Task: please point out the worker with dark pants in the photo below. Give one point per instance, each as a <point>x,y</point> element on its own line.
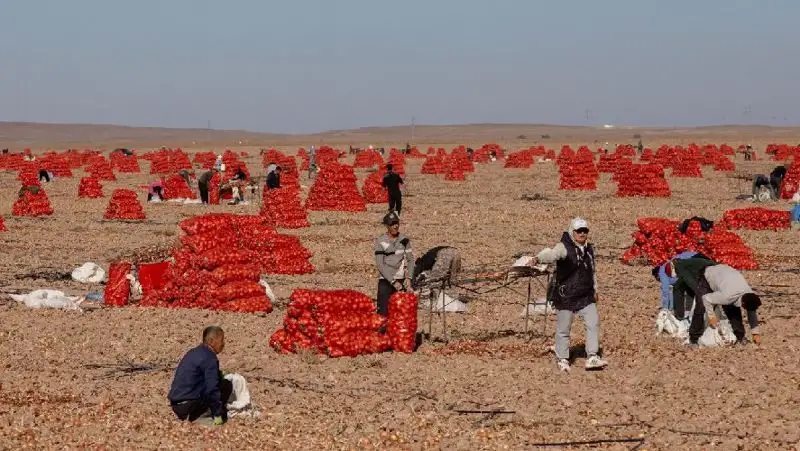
<point>392,181</point>
<point>715,285</point>
<point>689,273</point>
<point>202,184</point>
<point>198,385</point>
<point>395,261</point>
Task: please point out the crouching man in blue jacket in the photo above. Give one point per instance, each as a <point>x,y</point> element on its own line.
<point>198,384</point>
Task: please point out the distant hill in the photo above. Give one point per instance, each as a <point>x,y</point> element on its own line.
<point>37,135</point>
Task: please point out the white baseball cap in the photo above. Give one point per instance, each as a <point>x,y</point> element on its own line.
<point>578,223</point>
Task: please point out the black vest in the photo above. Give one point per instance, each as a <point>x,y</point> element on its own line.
<point>574,277</point>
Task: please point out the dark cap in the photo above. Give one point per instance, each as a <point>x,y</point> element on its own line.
<point>391,218</point>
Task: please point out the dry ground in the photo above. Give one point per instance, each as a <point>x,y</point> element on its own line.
<point>722,398</point>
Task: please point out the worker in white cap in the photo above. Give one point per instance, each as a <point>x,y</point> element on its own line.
<point>573,291</point>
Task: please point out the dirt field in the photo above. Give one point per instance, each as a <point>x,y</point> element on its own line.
<point>743,398</point>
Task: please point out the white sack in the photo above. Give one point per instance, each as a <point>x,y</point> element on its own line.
<point>525,260</point>
<point>267,290</point>
<point>445,303</point>
<point>538,307</point>
<point>239,404</point>
<point>88,273</point>
<point>48,299</point>
<point>726,331</point>
<point>710,338</point>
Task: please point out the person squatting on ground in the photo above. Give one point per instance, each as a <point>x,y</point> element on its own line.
<point>394,259</point>
<point>442,264</point>
<point>392,181</point>
<point>574,292</point>
<point>274,177</point>
<point>155,192</point>
<point>237,182</point>
<point>772,183</point>
<point>203,182</point>
<point>718,285</point>
<point>198,384</point>
<point>45,175</point>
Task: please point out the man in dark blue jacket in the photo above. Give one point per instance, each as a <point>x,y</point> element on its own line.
<point>198,384</point>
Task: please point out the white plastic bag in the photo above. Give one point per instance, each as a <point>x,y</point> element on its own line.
<point>240,396</point>
<point>525,260</point>
<point>445,303</point>
<point>683,329</point>
<point>48,299</point>
<point>538,307</point>
<point>136,287</point>
<point>88,273</point>
<point>710,338</point>
<point>666,323</point>
<point>267,290</point>
<point>726,331</point>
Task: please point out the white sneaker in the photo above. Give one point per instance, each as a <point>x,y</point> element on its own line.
<point>595,362</point>
<point>563,365</point>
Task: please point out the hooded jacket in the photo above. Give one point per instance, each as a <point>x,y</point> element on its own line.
<point>727,285</point>
<point>394,257</point>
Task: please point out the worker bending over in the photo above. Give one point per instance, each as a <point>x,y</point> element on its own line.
<point>442,264</point>
<point>718,285</point>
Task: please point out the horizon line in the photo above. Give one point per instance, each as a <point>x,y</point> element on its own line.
<point>608,127</point>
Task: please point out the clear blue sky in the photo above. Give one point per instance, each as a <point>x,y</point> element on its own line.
<point>314,65</point>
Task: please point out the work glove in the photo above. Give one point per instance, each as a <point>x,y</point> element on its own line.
<point>218,421</point>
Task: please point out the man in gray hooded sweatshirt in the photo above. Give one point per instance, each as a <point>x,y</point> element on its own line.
<point>574,292</point>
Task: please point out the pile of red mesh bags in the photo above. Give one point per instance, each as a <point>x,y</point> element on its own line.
<point>282,207</point>
<point>344,323</point>
<point>434,164</point>
<point>220,261</point>
<point>124,206</point>
<point>641,180</point>
<point>125,164</point>
<point>756,218</point>
<point>32,201</point>
<point>335,189</point>
<point>175,187</point>
<point>374,192</point>
<point>89,187</point>
<point>368,159</point>
<point>658,239</point>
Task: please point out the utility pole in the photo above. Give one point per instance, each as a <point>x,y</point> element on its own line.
<point>587,114</point>
<point>412,129</point>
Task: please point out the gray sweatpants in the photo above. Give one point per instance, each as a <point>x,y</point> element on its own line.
<point>591,321</point>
